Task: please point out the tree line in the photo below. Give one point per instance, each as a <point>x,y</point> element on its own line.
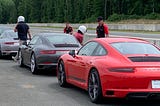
<point>75,11</point>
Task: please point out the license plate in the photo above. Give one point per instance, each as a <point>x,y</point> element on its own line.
<point>155,83</point>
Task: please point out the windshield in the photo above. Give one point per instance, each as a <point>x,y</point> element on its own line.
<point>135,48</point>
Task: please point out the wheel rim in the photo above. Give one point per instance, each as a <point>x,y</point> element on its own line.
<point>61,74</point>
<point>93,86</point>
<point>19,58</point>
<point>32,63</point>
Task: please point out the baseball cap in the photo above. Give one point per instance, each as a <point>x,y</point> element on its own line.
<point>99,18</point>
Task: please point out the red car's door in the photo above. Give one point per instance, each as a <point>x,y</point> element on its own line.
<point>77,65</point>
<point>77,68</point>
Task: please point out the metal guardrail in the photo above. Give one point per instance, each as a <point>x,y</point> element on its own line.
<point>154,41</point>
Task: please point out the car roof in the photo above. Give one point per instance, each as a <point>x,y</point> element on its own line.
<point>1,27</point>
<point>46,34</point>
<point>118,39</point>
<point>9,30</point>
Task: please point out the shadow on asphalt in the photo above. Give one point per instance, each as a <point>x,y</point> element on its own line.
<point>6,57</point>
<point>26,70</point>
<point>79,95</point>
<point>124,102</point>
<point>82,95</point>
<point>41,72</point>
<point>70,90</point>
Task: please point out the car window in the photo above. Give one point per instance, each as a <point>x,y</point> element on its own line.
<point>39,41</point>
<point>2,30</point>
<point>88,49</point>
<point>135,48</point>
<point>62,39</point>
<point>99,51</point>
<point>34,40</point>
<point>9,34</point>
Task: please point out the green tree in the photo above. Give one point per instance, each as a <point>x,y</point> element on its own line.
<point>7,8</point>
<point>76,10</point>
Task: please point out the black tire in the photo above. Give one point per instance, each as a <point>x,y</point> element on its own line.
<point>94,87</point>
<point>0,51</point>
<point>20,59</point>
<point>33,64</point>
<point>61,75</point>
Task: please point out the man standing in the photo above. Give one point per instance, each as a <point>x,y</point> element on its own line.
<point>68,29</point>
<point>102,29</point>
<point>23,29</point>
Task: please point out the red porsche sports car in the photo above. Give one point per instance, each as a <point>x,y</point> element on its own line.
<point>113,67</point>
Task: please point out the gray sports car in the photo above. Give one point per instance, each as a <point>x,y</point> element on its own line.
<point>9,43</point>
<point>44,49</point>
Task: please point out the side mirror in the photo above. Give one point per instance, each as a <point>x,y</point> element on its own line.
<point>72,53</point>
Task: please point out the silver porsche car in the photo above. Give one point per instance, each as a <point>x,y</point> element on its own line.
<point>9,43</point>
<point>44,49</point>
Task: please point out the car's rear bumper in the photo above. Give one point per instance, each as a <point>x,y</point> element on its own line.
<point>47,61</point>
<point>9,52</point>
<point>47,66</point>
<point>135,84</point>
<point>132,93</point>
<point>9,49</point>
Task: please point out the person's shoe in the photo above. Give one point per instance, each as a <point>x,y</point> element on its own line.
<point>14,58</point>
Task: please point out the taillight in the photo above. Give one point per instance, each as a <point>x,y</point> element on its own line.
<point>9,43</point>
<point>48,52</point>
<point>122,69</point>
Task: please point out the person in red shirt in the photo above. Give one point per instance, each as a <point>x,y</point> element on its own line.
<point>102,28</point>
<point>80,33</point>
<point>68,29</point>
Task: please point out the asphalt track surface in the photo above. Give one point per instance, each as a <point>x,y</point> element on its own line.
<point>18,87</point>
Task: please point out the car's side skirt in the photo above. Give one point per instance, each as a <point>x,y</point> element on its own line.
<point>77,79</point>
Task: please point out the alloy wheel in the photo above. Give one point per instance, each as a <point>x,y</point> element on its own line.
<point>61,75</point>
<point>33,65</point>
<point>20,59</point>
<point>94,87</point>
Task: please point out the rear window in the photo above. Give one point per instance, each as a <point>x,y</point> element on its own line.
<point>62,39</point>
<point>135,48</point>
<point>2,30</point>
<point>9,34</point>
